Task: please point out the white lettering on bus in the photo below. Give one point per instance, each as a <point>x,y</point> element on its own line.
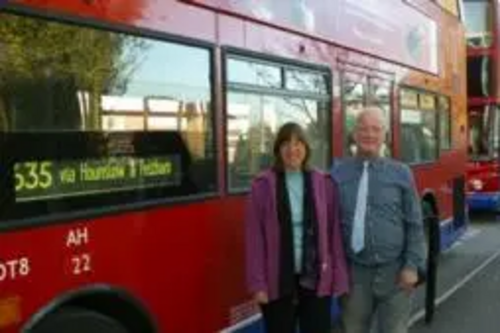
<point>82,263</point>
<point>77,237</point>
<point>14,269</point>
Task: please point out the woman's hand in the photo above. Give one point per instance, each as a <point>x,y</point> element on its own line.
<point>261,298</point>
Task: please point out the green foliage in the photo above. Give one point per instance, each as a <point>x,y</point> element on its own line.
<point>33,50</point>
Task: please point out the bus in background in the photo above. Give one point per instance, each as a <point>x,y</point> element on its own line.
<point>130,132</point>
<point>483,91</point>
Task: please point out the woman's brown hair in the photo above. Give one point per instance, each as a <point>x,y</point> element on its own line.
<point>285,134</point>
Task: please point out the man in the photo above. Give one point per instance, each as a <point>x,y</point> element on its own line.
<point>382,224</point>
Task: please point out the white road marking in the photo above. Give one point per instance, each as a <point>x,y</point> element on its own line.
<point>471,233</point>
<point>468,235</point>
<point>420,314</point>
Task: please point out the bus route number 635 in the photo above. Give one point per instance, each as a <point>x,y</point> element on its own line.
<point>33,175</point>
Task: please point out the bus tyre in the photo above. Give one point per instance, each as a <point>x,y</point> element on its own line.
<point>78,320</point>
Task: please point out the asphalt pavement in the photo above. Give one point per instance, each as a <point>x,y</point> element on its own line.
<point>468,284</point>
<point>475,308</point>
<point>468,299</point>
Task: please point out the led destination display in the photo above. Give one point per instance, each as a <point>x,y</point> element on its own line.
<point>42,180</point>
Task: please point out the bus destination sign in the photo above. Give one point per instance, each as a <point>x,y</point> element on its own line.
<point>46,179</point>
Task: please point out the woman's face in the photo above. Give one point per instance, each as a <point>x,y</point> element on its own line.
<point>293,153</point>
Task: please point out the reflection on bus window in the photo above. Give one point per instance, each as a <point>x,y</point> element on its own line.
<point>484,132</point>
<point>354,100</point>
<point>57,77</point>
<point>478,22</point>
<point>61,79</point>
<point>419,132</point>
<point>495,136</point>
<point>254,117</point>
<point>445,123</point>
<point>357,95</point>
<point>379,94</point>
<point>254,73</point>
<point>306,81</point>
<point>479,76</point>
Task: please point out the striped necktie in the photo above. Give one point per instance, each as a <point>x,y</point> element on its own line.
<point>358,232</point>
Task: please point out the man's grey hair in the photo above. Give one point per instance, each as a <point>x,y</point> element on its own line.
<point>373,111</point>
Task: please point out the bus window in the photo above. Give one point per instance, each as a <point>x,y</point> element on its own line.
<point>354,99</point>
<point>103,115</point>
<point>479,21</point>
<point>379,94</point>
<point>254,73</point>
<point>484,132</point>
<point>495,135</point>
<point>256,109</point>
<point>418,127</point>
<point>445,123</point>
<point>479,76</point>
<point>358,93</point>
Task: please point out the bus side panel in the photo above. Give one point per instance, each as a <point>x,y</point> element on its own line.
<point>168,16</point>
<point>185,264</point>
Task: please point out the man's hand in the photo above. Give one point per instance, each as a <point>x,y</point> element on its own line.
<point>260,298</point>
<point>408,279</point>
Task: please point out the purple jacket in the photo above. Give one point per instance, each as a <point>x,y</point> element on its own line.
<point>263,241</point>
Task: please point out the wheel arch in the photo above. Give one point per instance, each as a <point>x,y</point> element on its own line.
<point>108,300</point>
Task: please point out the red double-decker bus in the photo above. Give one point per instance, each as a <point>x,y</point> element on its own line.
<point>483,51</point>
<point>130,131</point>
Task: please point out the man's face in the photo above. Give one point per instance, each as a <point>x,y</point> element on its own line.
<point>369,135</point>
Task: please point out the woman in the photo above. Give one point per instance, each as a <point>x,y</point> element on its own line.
<point>295,257</point>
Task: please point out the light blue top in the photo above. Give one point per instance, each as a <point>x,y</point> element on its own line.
<point>295,189</point>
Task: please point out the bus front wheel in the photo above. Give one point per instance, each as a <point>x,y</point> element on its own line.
<point>78,320</point>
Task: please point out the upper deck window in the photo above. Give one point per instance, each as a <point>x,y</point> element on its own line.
<point>479,22</point>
